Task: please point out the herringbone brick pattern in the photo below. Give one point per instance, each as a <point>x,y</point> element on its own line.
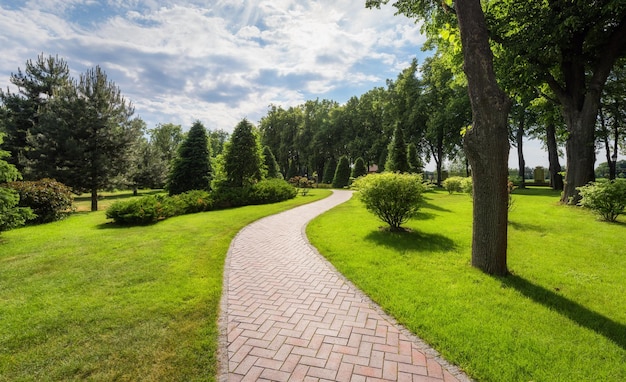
<point>288,316</point>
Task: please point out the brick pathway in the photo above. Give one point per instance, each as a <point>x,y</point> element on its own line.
<point>287,315</point>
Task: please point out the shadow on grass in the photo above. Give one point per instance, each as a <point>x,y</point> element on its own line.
<point>525,226</point>
<point>413,241</point>
<point>124,195</point>
<point>579,314</point>
<point>430,206</point>
<point>537,191</point>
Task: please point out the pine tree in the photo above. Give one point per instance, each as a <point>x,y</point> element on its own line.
<point>415,163</point>
<point>270,164</point>
<point>342,173</point>
<point>359,168</point>
<point>191,170</point>
<point>397,160</point>
<point>329,171</point>
<point>243,157</point>
<point>10,214</point>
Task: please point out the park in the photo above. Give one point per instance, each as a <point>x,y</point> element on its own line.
<point>314,243</point>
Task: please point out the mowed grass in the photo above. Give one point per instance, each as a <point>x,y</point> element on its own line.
<point>560,316</point>
<point>81,299</point>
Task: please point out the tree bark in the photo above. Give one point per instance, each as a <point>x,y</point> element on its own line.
<point>94,199</point>
<point>486,143</point>
<point>556,178</point>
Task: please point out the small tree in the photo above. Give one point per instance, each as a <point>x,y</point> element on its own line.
<point>606,198</point>
<point>397,160</point>
<point>415,162</point>
<point>243,159</point>
<point>191,170</point>
<point>359,168</point>
<point>342,173</point>
<point>394,198</point>
<point>292,170</point>
<point>329,171</point>
<point>270,164</point>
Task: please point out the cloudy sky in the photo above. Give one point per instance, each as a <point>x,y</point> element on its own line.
<point>217,61</point>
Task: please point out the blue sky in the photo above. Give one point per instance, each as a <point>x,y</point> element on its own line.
<point>218,61</point>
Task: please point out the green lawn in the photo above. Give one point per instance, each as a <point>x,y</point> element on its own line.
<point>560,316</point>
<point>82,299</point>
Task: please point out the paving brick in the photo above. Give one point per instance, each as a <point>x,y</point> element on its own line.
<point>289,316</point>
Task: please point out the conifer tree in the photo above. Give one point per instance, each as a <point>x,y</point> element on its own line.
<point>342,173</point>
<point>397,160</point>
<point>243,157</point>
<point>270,164</point>
<point>329,171</point>
<point>359,168</point>
<point>191,169</point>
<point>415,163</point>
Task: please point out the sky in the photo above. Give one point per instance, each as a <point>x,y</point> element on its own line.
<point>219,61</point>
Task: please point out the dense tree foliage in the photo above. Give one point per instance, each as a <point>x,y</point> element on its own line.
<point>11,215</point>
<point>191,169</point>
<point>342,173</point>
<point>397,158</point>
<point>273,171</point>
<point>359,168</point>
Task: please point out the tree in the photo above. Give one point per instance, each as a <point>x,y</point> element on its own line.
<point>166,138</point>
<point>572,47</point>
<point>86,136</point>
<point>191,169</point>
<point>21,110</point>
<point>415,163</point>
<point>612,116</point>
<point>11,215</point>
<point>486,142</point>
<point>329,171</point>
<point>397,160</point>
<point>243,159</point>
<point>270,164</point>
<point>359,168</point>
<point>217,139</point>
<point>342,173</point>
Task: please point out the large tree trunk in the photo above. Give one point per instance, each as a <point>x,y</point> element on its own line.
<point>486,143</point>
<point>556,178</point>
<point>580,146</point>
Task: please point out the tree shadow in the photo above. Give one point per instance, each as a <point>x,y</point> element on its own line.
<point>124,195</point>
<point>577,313</point>
<point>525,226</point>
<point>411,240</point>
<point>430,206</point>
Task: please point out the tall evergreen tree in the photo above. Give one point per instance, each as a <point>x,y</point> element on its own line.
<point>243,160</point>
<point>86,137</point>
<point>21,111</point>
<point>342,173</point>
<point>415,162</point>
<point>270,164</point>
<point>329,171</point>
<point>191,169</point>
<point>397,160</point>
<point>10,214</point>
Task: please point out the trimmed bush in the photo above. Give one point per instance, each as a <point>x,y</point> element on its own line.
<point>191,202</point>
<point>48,199</point>
<point>453,184</point>
<point>271,191</point>
<point>606,198</point>
<point>141,211</point>
<point>468,187</point>
<point>393,197</point>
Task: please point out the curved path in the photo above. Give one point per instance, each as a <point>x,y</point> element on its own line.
<point>288,315</point>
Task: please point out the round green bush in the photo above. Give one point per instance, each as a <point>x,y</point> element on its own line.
<point>606,198</point>
<point>393,197</point>
<point>140,211</point>
<point>48,199</point>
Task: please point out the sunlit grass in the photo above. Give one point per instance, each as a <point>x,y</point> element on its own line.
<point>560,316</point>
<point>83,299</point>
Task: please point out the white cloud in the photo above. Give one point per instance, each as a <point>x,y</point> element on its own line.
<point>183,60</point>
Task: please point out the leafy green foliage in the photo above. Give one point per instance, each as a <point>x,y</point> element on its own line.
<point>453,184</point>
<point>342,173</point>
<point>48,199</point>
<point>192,201</point>
<point>11,215</point>
<point>191,169</point>
<point>606,198</point>
<point>394,198</point>
<point>359,168</point>
<point>243,156</point>
<point>302,184</point>
<point>263,192</point>
<point>140,211</point>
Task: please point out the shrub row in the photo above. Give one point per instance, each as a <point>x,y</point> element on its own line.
<point>151,209</point>
<point>48,199</point>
